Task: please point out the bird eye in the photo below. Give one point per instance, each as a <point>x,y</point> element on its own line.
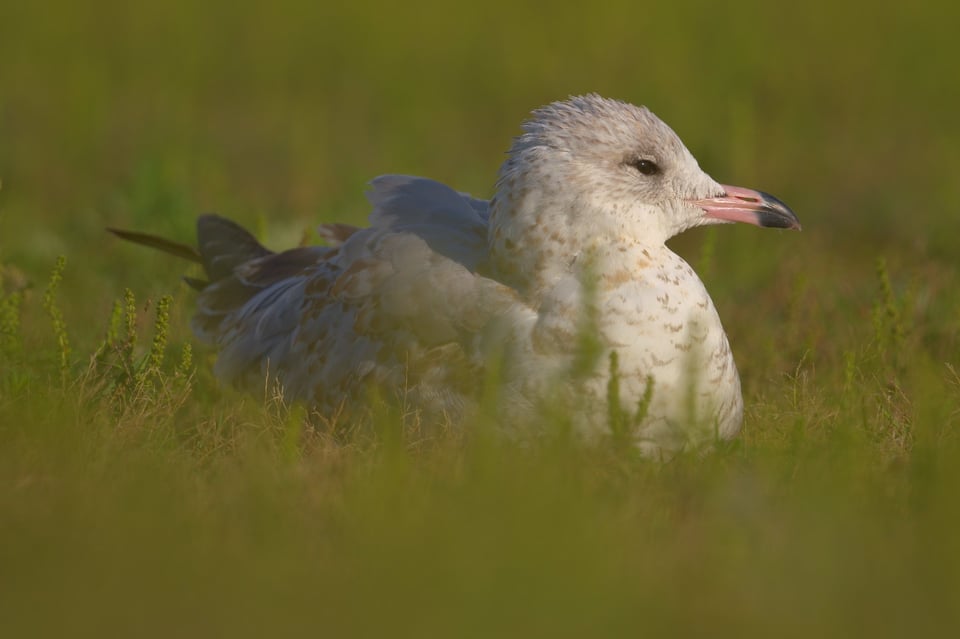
<point>647,167</point>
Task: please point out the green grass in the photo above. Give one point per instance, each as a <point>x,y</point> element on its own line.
<point>140,498</point>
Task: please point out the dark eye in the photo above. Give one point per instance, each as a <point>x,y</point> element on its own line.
<point>647,167</point>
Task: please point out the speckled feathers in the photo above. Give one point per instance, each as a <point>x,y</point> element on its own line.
<point>441,284</point>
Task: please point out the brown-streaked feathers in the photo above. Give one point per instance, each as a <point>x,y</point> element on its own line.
<point>441,286</point>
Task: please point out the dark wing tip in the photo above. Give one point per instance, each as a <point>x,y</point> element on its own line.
<point>195,283</point>
<point>225,245</point>
<point>178,249</point>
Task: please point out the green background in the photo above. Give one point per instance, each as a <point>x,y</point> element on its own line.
<point>834,514</point>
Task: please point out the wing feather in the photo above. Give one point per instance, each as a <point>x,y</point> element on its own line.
<point>398,304</point>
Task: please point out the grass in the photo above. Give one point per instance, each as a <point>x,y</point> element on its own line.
<point>139,497</point>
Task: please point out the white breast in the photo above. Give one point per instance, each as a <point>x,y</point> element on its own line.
<point>656,314</point>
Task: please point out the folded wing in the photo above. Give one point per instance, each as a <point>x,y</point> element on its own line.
<point>399,304</point>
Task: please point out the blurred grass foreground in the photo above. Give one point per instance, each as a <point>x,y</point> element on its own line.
<point>140,498</point>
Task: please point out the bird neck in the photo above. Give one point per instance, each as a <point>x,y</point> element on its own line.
<point>537,237</point>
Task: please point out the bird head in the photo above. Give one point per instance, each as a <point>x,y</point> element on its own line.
<point>609,169</point>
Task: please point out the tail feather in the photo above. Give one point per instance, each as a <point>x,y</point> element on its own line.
<point>184,251</point>
<point>195,283</point>
<point>238,269</point>
<point>223,246</point>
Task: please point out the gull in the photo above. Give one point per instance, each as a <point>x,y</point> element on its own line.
<point>560,291</point>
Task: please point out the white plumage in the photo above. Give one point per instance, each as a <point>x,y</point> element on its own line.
<point>442,285</point>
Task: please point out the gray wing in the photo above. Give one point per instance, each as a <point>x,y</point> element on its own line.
<point>452,224</point>
<point>398,304</point>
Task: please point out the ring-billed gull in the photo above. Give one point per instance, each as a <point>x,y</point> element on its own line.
<point>441,287</point>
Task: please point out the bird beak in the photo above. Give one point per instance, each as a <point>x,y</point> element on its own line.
<point>746,205</point>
